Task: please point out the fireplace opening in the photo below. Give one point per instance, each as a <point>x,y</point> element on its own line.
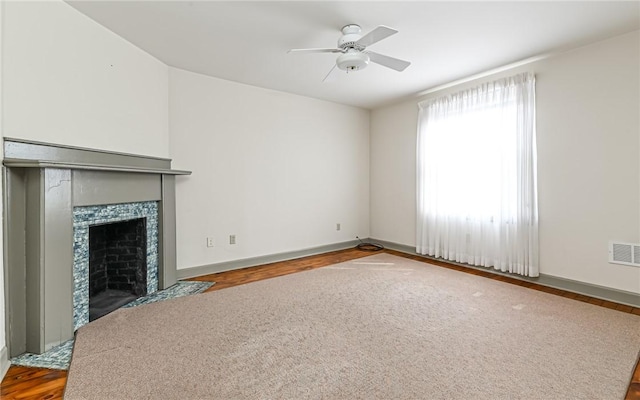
<point>117,265</point>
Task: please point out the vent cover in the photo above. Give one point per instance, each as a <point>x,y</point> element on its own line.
<point>624,253</point>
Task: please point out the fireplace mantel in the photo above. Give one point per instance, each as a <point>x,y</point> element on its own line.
<point>43,183</point>
<point>20,163</point>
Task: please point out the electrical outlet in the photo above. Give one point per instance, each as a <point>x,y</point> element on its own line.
<point>209,242</point>
<point>232,239</point>
<point>338,226</point>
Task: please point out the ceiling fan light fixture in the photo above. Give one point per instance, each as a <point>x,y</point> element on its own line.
<point>353,48</point>
<point>352,61</point>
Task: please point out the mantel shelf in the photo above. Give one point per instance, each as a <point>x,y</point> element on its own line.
<point>24,163</point>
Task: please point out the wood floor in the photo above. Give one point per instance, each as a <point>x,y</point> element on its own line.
<point>40,383</point>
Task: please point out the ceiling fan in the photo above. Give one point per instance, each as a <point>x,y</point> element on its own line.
<point>353,46</point>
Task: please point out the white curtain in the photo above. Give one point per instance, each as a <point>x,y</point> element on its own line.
<point>476,172</point>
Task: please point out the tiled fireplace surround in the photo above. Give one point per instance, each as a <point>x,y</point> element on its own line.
<point>86,217</point>
<point>53,194</point>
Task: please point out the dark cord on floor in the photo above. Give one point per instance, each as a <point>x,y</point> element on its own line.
<point>369,246</point>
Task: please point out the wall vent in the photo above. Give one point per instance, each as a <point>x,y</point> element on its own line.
<point>624,253</point>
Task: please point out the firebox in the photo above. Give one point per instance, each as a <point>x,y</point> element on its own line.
<point>117,265</point>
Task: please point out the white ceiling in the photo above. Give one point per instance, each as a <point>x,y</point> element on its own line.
<point>247,42</point>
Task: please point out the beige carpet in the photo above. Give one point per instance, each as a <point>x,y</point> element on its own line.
<point>381,327</point>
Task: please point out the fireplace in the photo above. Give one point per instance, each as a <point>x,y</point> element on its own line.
<point>121,241</point>
<point>117,265</point>
<point>57,199</point>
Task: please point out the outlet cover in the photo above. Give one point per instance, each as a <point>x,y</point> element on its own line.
<point>232,239</point>
<point>209,242</point>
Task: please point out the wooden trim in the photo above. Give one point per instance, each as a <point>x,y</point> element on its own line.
<point>28,143</point>
<point>4,361</point>
<point>22,163</point>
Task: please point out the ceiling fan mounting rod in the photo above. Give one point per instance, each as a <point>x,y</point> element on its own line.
<point>350,36</point>
<point>350,28</point>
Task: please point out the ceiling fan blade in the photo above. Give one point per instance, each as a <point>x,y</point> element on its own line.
<point>376,35</point>
<point>331,76</point>
<point>314,51</point>
<point>389,62</point>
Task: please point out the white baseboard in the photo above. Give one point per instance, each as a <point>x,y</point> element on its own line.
<point>4,362</point>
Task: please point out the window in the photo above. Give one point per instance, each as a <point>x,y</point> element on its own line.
<point>477,196</point>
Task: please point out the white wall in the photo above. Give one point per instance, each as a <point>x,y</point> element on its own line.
<point>71,81</point>
<point>65,79</point>
<point>393,173</point>
<point>275,169</point>
<point>588,103</point>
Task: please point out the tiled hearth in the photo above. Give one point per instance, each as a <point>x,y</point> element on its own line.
<point>59,357</point>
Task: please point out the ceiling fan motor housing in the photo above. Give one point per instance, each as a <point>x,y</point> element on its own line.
<point>353,59</point>
<point>350,35</point>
